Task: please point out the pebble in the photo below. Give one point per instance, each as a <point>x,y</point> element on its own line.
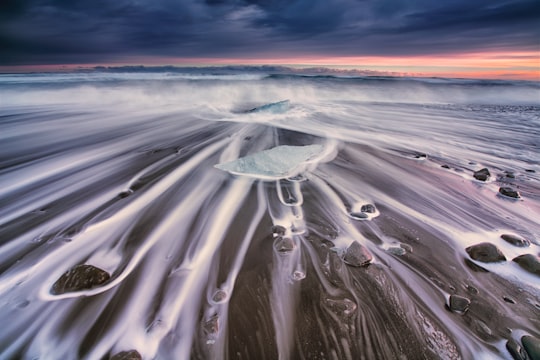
<point>368,208</point>
<point>445,166</point>
<point>211,326</point>
<point>80,277</point>
<point>219,296</point>
<point>532,346</point>
<point>394,250</point>
<point>284,244</point>
<point>515,240</point>
<point>357,255</point>
<point>485,252</point>
<point>459,304</point>
<point>359,215</point>
<point>529,262</point>
<point>508,191</point>
<point>127,355</point>
<point>482,174</point>
<point>516,350</point>
<point>509,300</point>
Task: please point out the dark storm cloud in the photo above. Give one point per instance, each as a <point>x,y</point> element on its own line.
<point>84,31</point>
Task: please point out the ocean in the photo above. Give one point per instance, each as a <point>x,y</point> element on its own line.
<point>207,214</point>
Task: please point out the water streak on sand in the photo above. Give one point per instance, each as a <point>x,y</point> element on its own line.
<point>352,253</point>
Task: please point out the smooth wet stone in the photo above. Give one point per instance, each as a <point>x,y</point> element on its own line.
<point>459,304</point>
<point>395,250</point>
<point>529,262</point>
<point>211,326</point>
<point>445,166</point>
<point>80,277</point>
<point>485,252</point>
<point>357,255</point>
<point>284,244</point>
<point>515,240</point>
<point>127,355</point>
<point>532,346</point>
<point>530,170</point>
<point>508,191</point>
<point>509,300</point>
<point>516,350</point>
<point>219,296</point>
<point>482,174</point>
<point>368,208</point>
<point>125,194</point>
<point>359,215</point>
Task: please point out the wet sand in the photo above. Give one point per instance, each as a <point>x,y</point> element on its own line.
<point>370,253</point>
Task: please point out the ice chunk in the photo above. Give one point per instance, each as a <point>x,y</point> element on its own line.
<point>276,163</point>
<point>276,108</point>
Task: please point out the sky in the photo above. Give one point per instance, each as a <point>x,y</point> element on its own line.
<point>460,38</point>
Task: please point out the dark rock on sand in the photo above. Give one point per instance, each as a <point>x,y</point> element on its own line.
<point>81,277</point>
<point>127,355</point>
<point>482,174</point>
<point>510,174</point>
<point>516,350</point>
<point>458,304</point>
<point>475,267</point>
<point>532,346</point>
<point>485,252</point>
<point>396,250</point>
<point>125,194</point>
<point>509,300</point>
<point>368,208</point>
<point>529,262</point>
<point>357,255</point>
<point>515,240</point>
<point>445,166</point>
<point>284,244</point>
<point>530,170</point>
<point>211,326</point>
<point>359,215</point>
<point>508,191</point>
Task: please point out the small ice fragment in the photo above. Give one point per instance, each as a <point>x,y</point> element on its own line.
<point>275,108</point>
<point>276,163</point>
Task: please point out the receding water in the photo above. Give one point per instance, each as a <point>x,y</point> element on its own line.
<point>354,249</point>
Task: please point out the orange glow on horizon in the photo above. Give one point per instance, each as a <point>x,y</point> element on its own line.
<point>487,65</point>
